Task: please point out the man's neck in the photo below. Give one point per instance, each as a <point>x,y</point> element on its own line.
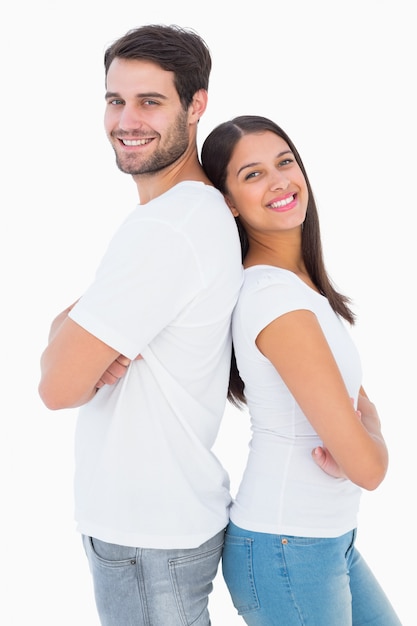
<point>151,186</point>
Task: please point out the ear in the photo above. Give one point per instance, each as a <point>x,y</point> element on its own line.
<point>231,206</point>
<point>198,105</point>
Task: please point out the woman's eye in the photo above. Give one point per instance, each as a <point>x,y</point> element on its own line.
<point>251,175</point>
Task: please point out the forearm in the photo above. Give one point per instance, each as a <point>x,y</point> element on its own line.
<point>372,423</point>
<point>72,364</point>
<point>374,449</point>
<point>55,389</point>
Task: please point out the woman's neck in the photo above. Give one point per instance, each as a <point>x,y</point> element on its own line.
<point>281,250</point>
<point>286,255</point>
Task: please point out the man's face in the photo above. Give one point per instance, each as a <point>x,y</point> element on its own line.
<point>144,120</point>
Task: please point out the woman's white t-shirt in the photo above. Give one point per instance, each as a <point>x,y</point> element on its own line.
<point>283,491</point>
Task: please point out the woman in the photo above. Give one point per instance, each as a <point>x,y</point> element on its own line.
<point>290,555</point>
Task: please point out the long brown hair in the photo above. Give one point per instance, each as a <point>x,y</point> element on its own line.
<point>216,153</point>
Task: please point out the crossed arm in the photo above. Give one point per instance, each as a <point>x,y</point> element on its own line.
<point>368,414</point>
<point>75,364</point>
<point>352,448</point>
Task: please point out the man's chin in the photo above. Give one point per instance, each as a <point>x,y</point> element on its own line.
<point>128,168</point>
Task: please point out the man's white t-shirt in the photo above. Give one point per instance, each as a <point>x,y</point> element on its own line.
<point>283,491</point>
<point>145,474</point>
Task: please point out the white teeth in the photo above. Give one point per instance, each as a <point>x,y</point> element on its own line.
<point>134,142</point>
<point>281,203</point>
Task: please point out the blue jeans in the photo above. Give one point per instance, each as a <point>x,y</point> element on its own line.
<point>147,587</point>
<point>279,580</point>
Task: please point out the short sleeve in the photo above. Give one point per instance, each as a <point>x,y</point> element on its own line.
<point>148,274</point>
<point>269,296</point>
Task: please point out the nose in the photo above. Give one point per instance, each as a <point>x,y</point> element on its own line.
<point>279,180</point>
<point>130,118</point>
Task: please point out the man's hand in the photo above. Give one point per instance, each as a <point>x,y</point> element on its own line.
<point>113,373</point>
<point>116,371</point>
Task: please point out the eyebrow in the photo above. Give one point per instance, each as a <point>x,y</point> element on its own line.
<point>149,94</point>
<point>279,155</point>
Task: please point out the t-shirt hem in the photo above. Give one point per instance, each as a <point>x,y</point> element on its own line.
<point>294,531</point>
<point>157,542</point>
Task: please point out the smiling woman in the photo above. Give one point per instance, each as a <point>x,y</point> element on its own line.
<point>298,371</point>
<point>267,190</point>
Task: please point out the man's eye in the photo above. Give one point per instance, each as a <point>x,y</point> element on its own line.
<point>115,101</point>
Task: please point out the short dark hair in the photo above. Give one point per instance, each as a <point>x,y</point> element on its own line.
<point>175,49</point>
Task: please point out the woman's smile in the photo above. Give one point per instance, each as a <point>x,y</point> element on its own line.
<point>284,204</point>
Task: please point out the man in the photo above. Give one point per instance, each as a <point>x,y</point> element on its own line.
<point>151,500</point>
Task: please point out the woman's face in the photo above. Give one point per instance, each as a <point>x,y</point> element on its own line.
<point>265,185</point>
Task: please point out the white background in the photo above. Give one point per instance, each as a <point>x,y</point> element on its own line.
<point>340,79</point>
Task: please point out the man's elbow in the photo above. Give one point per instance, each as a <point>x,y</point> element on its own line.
<point>56,398</point>
<point>49,397</point>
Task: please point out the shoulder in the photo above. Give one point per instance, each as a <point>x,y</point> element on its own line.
<point>195,191</point>
<point>182,202</point>
<point>269,292</point>
<point>264,277</point>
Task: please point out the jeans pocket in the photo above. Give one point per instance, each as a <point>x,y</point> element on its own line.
<point>192,581</point>
<point>109,553</point>
<point>110,565</point>
<point>237,565</point>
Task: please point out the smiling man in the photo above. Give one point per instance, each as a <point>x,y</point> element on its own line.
<point>145,352</point>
